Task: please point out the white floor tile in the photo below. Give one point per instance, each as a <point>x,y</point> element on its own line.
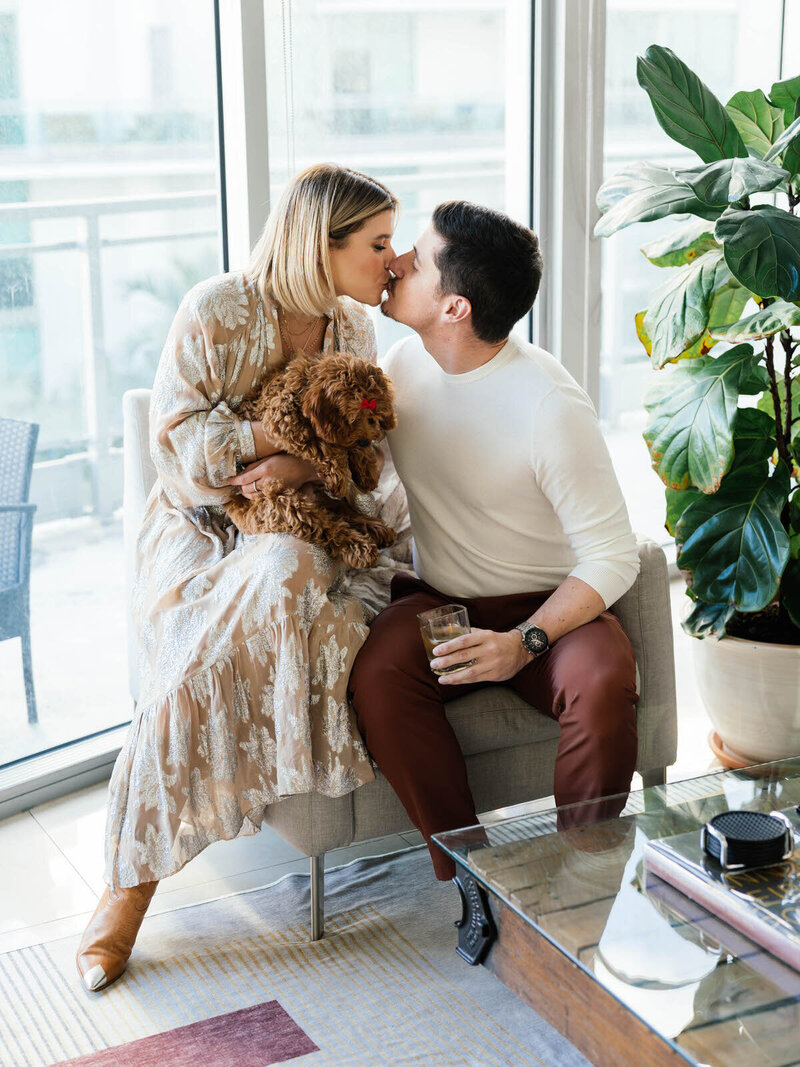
<point>39,883</point>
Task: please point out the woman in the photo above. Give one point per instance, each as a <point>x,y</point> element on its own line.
<point>245,643</point>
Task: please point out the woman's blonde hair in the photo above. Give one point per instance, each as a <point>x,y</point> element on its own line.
<point>323,204</point>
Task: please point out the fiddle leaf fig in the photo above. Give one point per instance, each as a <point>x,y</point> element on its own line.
<point>762,249</point>
<point>734,542</point>
<point>789,134</point>
<point>686,108</point>
<point>785,95</point>
<point>680,308</point>
<point>790,590</point>
<point>643,192</point>
<point>683,245</point>
<point>769,320</point>
<point>707,620</point>
<point>758,122</point>
<point>729,181</point>
<point>678,500</point>
<point>690,436</point>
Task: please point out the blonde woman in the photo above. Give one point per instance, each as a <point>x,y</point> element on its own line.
<point>245,643</point>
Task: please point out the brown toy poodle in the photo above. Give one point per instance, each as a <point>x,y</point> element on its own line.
<point>330,410</point>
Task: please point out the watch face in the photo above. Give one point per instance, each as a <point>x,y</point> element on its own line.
<point>535,640</point>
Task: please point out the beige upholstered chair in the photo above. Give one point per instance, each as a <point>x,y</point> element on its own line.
<point>510,752</point>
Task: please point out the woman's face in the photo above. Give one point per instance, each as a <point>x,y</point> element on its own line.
<point>360,267</point>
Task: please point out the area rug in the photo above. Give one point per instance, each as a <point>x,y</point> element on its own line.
<point>237,982</point>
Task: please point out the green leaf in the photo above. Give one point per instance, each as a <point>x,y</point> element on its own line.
<point>707,620</point>
<point>684,245</point>
<point>733,541</point>
<point>686,108</point>
<point>753,437</point>
<point>789,134</point>
<point>679,309</point>
<point>758,122</point>
<point>730,180</point>
<point>678,501</point>
<point>791,154</point>
<point>785,95</point>
<point>762,249</point>
<point>790,590</point>
<point>690,435</point>
<point>765,402</point>
<point>643,192</point>
<point>767,321</point>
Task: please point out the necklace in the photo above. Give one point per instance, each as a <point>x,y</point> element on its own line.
<point>288,341</point>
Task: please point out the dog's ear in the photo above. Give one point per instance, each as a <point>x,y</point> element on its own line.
<point>318,407</point>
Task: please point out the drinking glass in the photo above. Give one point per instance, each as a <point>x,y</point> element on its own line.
<point>443,624</point>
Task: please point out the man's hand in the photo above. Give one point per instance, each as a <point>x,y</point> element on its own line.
<point>292,472</point>
<point>498,657</point>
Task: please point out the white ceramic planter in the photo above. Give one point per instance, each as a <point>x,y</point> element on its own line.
<point>751,691</point>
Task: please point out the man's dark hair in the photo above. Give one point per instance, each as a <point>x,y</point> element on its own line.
<point>492,261</point>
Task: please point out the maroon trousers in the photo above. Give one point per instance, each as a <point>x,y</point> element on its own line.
<point>587,681</point>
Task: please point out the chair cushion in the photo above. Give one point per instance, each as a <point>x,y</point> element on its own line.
<point>495,718</point>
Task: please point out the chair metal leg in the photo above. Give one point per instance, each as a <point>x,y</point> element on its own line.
<point>317,897</point>
<point>27,670</point>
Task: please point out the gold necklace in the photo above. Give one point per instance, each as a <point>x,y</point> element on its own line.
<point>286,336</point>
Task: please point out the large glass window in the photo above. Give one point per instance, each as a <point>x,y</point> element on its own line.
<point>108,214</point>
<point>433,100</point>
<point>731,45</point>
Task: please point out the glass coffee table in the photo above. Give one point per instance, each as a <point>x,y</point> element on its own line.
<point>559,905</point>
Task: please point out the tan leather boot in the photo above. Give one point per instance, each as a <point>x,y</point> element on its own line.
<point>108,940</point>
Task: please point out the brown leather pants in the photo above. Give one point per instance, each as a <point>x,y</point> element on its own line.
<point>587,681</point>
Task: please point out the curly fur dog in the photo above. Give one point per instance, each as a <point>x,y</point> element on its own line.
<point>329,410</point>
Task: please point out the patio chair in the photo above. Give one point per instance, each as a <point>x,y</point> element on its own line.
<point>17,446</point>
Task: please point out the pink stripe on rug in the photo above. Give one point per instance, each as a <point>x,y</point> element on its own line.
<point>252,1037</point>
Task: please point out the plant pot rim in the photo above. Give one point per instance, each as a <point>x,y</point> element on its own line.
<point>750,641</point>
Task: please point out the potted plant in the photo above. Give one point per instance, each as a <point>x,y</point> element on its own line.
<point>724,419</point>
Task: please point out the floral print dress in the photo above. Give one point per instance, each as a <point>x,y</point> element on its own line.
<point>245,642</point>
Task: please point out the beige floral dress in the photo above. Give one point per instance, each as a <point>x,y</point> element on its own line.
<point>245,642</point>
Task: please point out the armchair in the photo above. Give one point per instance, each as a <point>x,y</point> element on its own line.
<point>510,753</point>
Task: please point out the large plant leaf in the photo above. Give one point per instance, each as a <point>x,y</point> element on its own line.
<point>683,245</point>
<point>791,154</point>
<point>686,108</point>
<point>729,181</point>
<point>762,249</point>
<point>785,95</point>
<point>766,321</point>
<point>733,541</point>
<point>790,590</point>
<point>707,620</point>
<point>789,134</point>
<point>643,192</point>
<point>690,435</point>
<point>679,309</point>
<point>678,500</point>
<point>753,437</point>
<point>758,122</point>
<point>766,405</point>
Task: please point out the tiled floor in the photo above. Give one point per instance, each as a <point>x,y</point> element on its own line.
<point>53,855</point>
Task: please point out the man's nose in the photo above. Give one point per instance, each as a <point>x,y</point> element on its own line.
<point>396,266</point>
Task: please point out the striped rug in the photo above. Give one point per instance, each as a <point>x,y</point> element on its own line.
<point>239,977</point>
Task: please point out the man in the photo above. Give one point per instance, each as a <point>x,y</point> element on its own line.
<point>516,513</point>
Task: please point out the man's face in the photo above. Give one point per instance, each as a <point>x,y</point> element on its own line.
<point>413,297</point>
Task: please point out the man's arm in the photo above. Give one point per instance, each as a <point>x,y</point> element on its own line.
<point>499,656</point>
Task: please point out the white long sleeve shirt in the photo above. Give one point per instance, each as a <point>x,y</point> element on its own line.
<point>510,485</point>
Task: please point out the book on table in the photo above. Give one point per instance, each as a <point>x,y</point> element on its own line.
<point>762,902</point>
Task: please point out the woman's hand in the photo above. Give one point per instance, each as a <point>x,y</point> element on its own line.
<point>497,656</point>
<point>292,472</point>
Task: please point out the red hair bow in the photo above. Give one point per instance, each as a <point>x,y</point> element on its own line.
<point>372,404</point>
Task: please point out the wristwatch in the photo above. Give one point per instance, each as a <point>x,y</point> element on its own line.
<point>534,639</point>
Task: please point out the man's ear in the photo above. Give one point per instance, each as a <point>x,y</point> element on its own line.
<point>457,309</point>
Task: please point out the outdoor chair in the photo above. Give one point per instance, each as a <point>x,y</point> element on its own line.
<point>17,447</point>
<point>509,750</point>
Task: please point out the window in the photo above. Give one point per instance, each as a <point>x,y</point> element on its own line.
<point>108,214</point>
